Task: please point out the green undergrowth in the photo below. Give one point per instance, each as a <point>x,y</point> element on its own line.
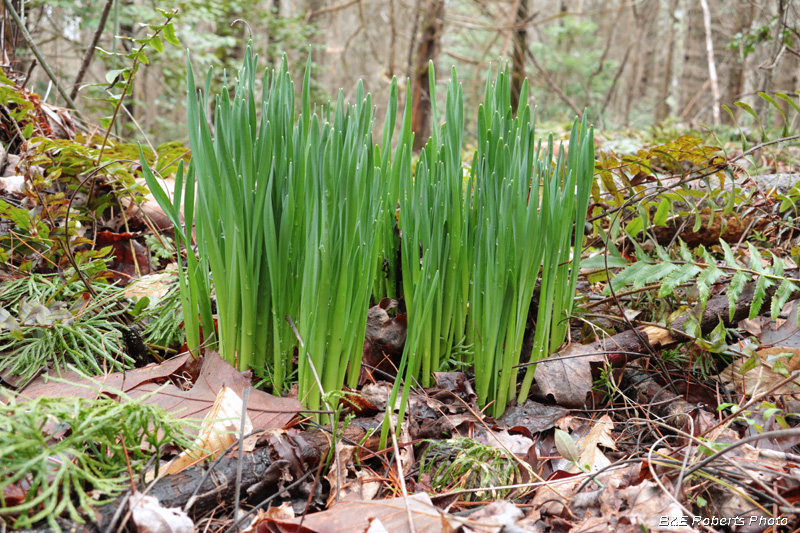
<point>295,211</point>
<point>45,322</point>
<point>68,455</point>
<point>462,463</point>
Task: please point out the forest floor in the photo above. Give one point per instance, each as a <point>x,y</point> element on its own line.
<point>674,407</point>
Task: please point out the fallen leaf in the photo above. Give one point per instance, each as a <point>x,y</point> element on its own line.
<point>503,440</point>
<point>384,341</point>
<point>533,415</point>
<point>588,446</point>
<point>346,487</point>
<point>131,259</point>
<point>748,378</point>
<point>220,429</point>
<point>567,376</point>
<point>359,516</point>
<point>494,517</point>
<point>154,286</point>
<point>784,332</point>
<point>265,410</point>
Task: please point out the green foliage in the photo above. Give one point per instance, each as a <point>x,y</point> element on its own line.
<point>462,463</point>
<point>137,57</point>
<point>623,176</point>
<point>583,71</point>
<point>521,226</point>
<point>61,171</point>
<point>702,269</point>
<point>301,247</point>
<point>162,320</point>
<point>435,239</point>
<point>45,322</point>
<point>86,463</point>
<point>18,106</point>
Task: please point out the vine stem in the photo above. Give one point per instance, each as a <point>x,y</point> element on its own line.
<point>121,99</point>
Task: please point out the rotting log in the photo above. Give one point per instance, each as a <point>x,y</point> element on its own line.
<point>280,458</point>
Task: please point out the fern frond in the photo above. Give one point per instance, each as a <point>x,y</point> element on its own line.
<point>782,295</point>
<point>735,290</point>
<point>710,275</point>
<point>706,271</point>
<point>654,272</point>
<point>677,277</point>
<point>626,275</point>
<point>759,293</point>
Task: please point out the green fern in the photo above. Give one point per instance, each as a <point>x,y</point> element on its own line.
<point>702,269</point>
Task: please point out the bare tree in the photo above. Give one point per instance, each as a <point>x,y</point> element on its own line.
<point>712,65</point>
<point>429,45</point>
<point>520,47</point>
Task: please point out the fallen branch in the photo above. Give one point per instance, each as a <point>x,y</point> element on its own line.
<point>279,458</point>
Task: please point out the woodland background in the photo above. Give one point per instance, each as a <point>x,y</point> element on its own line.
<point>631,64</point>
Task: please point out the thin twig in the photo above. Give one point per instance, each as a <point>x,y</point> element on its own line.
<point>245,397</point>
<point>553,85</point>
<point>403,482</point>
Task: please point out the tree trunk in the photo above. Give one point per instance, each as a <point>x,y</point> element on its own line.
<point>744,13</point>
<point>712,64</point>
<point>662,108</point>
<point>693,81</point>
<point>274,18</point>
<point>518,55</point>
<point>767,69</point>
<point>427,51</point>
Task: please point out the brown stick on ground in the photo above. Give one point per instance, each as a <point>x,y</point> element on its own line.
<point>274,460</point>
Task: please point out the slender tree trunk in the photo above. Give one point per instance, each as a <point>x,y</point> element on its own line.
<point>768,68</point>
<point>274,17</point>
<point>518,55</point>
<point>693,74</point>
<point>427,51</point>
<point>733,89</point>
<point>126,29</point>
<point>87,58</point>
<point>712,65</point>
<point>13,43</point>
<point>662,108</point>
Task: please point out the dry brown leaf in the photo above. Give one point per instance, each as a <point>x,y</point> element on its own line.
<point>762,377</point>
<point>359,516</point>
<point>155,285</point>
<point>345,487</point>
<point>219,430</point>
<point>567,376</point>
<point>265,411</point>
<point>588,446</point>
<point>783,332</point>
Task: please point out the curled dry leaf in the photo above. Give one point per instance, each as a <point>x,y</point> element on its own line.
<point>393,514</point>
<point>384,341</point>
<point>220,429</point>
<point>346,486</point>
<point>567,376</point>
<point>600,435</point>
